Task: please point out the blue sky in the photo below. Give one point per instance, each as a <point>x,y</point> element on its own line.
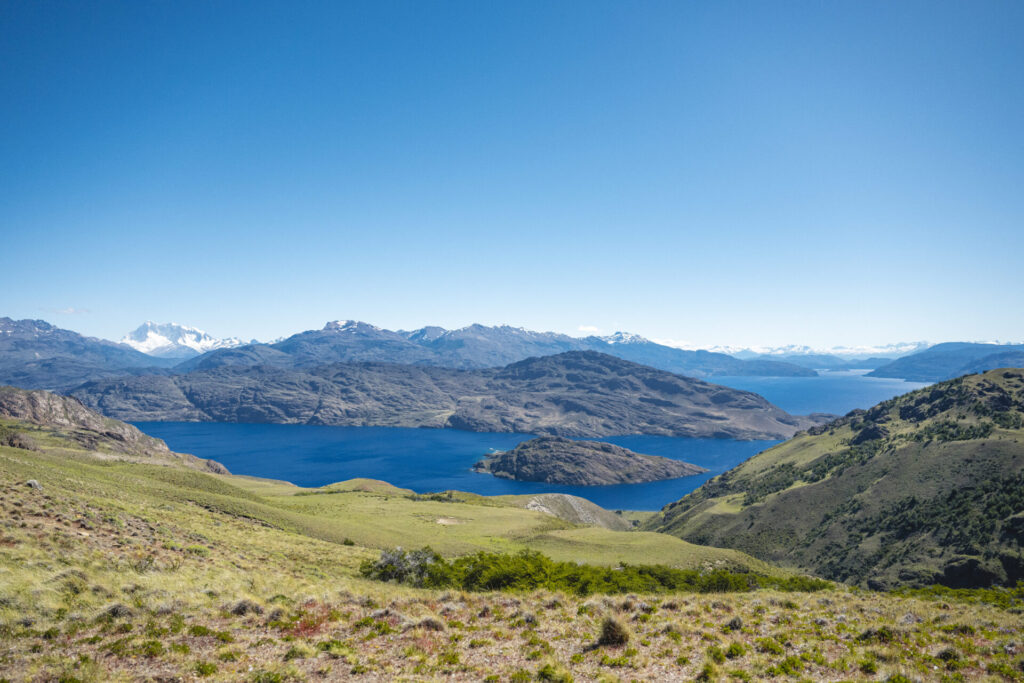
<point>721,173</point>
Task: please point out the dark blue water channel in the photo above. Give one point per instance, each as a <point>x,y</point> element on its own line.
<point>427,460</point>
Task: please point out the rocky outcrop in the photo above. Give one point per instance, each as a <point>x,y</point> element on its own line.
<point>555,460</point>
<point>69,418</point>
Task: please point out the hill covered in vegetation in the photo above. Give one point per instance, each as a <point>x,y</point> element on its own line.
<point>925,488</point>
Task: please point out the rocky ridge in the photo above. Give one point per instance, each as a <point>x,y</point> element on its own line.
<point>574,394</point>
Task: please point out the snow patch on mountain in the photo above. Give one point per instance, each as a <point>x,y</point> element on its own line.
<point>846,352</point>
<point>171,340</point>
<point>625,338</point>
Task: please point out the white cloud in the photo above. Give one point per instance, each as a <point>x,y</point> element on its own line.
<point>589,329</point>
<point>678,344</point>
<point>71,310</point>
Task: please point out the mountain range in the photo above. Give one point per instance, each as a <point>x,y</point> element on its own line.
<point>475,347</point>
<point>575,393</point>
<point>36,355</point>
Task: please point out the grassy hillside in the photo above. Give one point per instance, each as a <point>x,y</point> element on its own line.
<point>118,568</point>
<point>925,488</point>
<point>126,571</point>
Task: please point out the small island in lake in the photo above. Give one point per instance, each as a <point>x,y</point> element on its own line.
<point>556,460</point>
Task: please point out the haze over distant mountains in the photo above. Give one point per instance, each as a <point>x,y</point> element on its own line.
<point>37,355</point>
<point>952,359</point>
<point>845,352</point>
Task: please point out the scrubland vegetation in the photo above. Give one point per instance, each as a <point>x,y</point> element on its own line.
<point>115,571</point>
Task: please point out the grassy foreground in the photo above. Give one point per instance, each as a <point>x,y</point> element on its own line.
<point>129,571</point>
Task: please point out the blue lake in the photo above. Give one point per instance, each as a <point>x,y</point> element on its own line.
<point>830,392</point>
<point>426,460</point>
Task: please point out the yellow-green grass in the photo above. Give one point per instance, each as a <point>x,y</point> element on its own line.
<point>637,516</point>
<point>174,551</point>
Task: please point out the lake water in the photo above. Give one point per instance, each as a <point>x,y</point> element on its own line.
<point>427,460</point>
<point>831,392</point>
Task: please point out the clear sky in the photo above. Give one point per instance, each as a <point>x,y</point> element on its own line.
<point>716,172</point>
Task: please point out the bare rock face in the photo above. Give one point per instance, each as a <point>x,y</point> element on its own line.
<point>67,416</point>
<point>556,460</point>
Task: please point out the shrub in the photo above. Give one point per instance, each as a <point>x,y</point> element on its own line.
<point>868,666</point>
<point>413,567</point>
<point>299,651</point>
<point>769,645</point>
<point>205,668</point>
<point>790,666</point>
<point>613,632</point>
<point>554,674</point>
<point>151,648</point>
<point>883,634</point>
<point>716,654</point>
<point>529,570</point>
<point>735,650</point>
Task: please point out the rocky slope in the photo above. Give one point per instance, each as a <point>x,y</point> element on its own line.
<point>67,418</point>
<point>577,394</point>
<point>557,460</point>
<point>925,488</point>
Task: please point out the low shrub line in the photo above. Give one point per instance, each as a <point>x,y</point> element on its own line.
<point>529,570</point>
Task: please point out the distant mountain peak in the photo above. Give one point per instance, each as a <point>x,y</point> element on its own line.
<point>350,326</point>
<point>172,340</point>
<point>792,350</point>
<point>625,338</point>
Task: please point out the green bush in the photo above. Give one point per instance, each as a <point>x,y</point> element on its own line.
<point>205,668</point>
<point>528,571</point>
<point>613,632</point>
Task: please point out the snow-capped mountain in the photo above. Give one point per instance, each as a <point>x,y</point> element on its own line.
<point>171,340</point>
<point>625,338</point>
<point>794,350</point>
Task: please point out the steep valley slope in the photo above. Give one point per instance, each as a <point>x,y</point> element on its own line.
<point>925,488</point>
